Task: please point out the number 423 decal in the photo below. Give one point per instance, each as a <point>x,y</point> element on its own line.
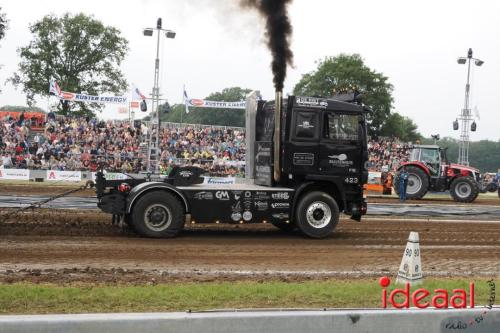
<point>351,180</point>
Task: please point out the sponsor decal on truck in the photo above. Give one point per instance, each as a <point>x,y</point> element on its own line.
<point>280,205</point>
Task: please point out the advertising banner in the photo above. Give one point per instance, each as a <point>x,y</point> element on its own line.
<point>68,176</point>
<point>55,90</point>
<point>74,97</point>
<point>111,176</point>
<point>219,180</point>
<point>374,178</point>
<point>203,103</point>
<point>14,174</point>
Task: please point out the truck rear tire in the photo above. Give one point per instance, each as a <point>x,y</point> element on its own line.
<point>158,214</point>
<point>317,214</point>
<point>464,189</point>
<point>418,183</point>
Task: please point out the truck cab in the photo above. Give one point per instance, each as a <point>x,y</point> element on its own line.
<point>309,155</point>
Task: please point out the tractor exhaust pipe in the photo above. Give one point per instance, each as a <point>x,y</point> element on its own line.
<point>277,131</point>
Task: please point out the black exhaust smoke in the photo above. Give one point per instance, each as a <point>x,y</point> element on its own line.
<point>278,33</point>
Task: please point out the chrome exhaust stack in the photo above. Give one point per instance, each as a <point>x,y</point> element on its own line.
<point>277,138</point>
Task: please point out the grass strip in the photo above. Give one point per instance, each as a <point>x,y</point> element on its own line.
<point>26,298</point>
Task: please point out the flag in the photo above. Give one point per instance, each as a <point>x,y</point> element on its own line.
<point>137,95</point>
<point>186,100</point>
<point>54,88</point>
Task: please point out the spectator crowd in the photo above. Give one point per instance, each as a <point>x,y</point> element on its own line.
<point>68,143</point>
<point>83,144</point>
<point>385,154</point>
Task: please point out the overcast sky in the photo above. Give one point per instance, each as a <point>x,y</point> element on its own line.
<point>415,44</point>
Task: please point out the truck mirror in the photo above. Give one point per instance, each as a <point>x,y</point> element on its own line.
<point>455,125</point>
<point>473,126</point>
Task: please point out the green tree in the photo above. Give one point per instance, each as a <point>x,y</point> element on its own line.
<point>80,52</point>
<point>349,70</point>
<point>209,116</point>
<point>3,28</point>
<point>3,24</point>
<point>400,127</point>
<point>21,108</point>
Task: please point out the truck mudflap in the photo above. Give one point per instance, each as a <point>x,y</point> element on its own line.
<point>358,210</point>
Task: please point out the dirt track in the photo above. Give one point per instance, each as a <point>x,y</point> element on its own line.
<point>65,246</point>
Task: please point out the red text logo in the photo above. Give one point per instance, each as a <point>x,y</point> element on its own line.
<point>440,298</point>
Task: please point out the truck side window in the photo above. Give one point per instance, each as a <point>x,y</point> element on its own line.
<point>342,127</point>
<point>305,125</point>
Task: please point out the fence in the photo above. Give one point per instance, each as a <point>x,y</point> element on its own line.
<point>331,321</point>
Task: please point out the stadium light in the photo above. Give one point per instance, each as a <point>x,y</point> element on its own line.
<point>156,93</point>
<point>465,115</point>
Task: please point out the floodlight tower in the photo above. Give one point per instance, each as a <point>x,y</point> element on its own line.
<point>466,116</point>
<point>154,147</point>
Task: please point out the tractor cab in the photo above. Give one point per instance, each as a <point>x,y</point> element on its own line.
<point>431,156</point>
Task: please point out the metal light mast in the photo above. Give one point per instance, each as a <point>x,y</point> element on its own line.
<point>466,115</point>
<point>154,146</point>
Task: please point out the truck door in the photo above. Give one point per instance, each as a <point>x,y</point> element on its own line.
<point>340,146</point>
<point>302,151</point>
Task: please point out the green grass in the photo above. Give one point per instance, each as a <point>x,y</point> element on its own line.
<point>25,298</point>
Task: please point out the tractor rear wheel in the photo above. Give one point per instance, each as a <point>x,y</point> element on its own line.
<point>464,189</point>
<point>418,183</point>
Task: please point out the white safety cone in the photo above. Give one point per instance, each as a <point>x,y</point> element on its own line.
<point>410,269</point>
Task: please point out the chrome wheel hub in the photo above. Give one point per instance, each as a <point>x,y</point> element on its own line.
<point>157,217</point>
<point>318,214</point>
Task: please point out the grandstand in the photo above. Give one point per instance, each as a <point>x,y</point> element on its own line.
<point>68,143</point>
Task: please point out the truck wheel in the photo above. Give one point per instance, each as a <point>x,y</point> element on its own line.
<point>464,189</point>
<point>158,214</point>
<point>418,183</point>
<point>317,214</point>
<point>288,227</point>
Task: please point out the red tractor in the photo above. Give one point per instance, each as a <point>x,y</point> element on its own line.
<point>429,170</point>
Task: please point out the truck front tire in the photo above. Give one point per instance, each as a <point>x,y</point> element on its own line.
<point>317,214</point>
<point>158,214</point>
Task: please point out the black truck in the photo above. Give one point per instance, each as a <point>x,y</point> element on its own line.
<point>310,156</point>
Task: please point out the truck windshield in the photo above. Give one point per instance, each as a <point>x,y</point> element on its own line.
<point>342,127</point>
